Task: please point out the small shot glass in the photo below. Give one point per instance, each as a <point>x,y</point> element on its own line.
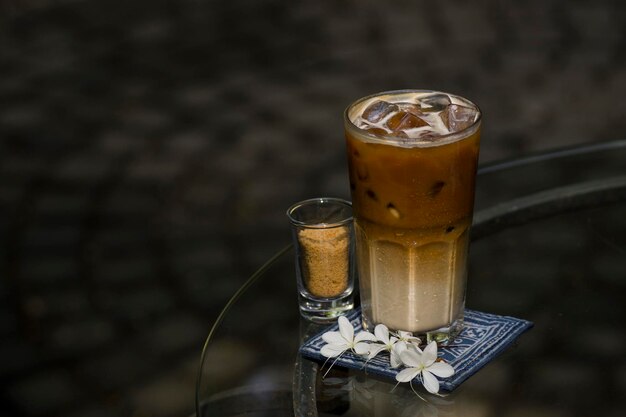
<point>323,238</point>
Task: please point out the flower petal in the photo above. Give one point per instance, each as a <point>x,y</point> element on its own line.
<point>394,360</point>
<point>414,348</point>
<point>430,354</point>
<point>400,346</point>
<point>410,357</point>
<point>333,337</point>
<point>441,369</point>
<point>375,349</point>
<point>406,336</point>
<point>394,356</point>
<point>346,329</point>
<point>361,348</point>
<point>430,382</point>
<point>331,351</point>
<point>363,336</point>
<point>407,374</point>
<point>382,333</point>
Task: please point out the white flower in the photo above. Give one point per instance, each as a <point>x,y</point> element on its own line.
<point>394,355</point>
<point>386,343</point>
<point>344,339</point>
<point>408,337</point>
<point>423,363</point>
<point>404,339</point>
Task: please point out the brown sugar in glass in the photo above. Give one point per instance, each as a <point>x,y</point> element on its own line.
<point>322,231</point>
<point>412,158</point>
<point>325,254</point>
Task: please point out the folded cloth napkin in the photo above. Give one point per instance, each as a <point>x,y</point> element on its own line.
<point>484,337</point>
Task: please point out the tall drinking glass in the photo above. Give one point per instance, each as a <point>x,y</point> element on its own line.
<point>412,158</point>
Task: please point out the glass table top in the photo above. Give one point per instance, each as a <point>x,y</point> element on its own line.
<point>549,245</point>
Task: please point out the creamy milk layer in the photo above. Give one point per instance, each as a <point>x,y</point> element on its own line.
<point>416,280</point>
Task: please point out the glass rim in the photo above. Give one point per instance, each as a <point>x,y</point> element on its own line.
<point>393,140</point>
<point>319,200</point>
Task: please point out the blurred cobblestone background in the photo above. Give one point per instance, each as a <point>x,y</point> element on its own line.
<point>149,149</point>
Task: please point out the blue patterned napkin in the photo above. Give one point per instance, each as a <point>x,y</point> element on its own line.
<point>484,337</point>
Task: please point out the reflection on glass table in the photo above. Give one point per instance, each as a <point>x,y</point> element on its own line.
<point>549,245</point>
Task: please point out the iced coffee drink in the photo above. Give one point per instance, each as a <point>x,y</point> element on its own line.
<point>412,160</point>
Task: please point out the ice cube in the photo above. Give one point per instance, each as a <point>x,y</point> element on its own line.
<point>426,135</point>
<point>436,188</point>
<point>435,102</point>
<point>404,120</point>
<point>457,117</point>
<point>371,194</point>
<point>410,108</point>
<point>378,131</point>
<point>377,111</point>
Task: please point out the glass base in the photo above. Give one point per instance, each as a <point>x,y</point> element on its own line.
<point>323,311</point>
<point>443,336</point>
